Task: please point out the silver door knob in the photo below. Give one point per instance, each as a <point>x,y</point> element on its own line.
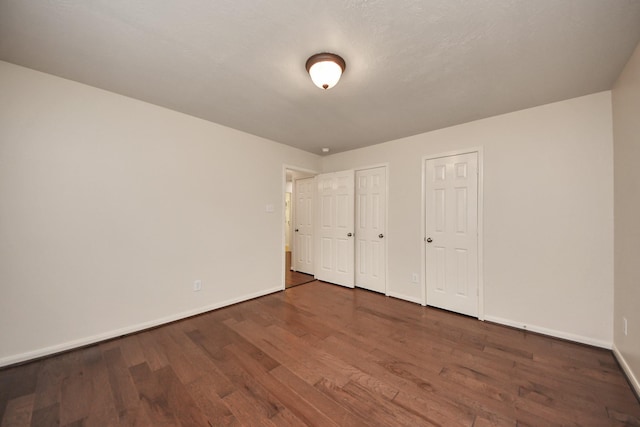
<point>380,235</point>
<point>429,240</point>
<point>349,234</point>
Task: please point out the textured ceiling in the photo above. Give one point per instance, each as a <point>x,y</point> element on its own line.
<point>412,66</point>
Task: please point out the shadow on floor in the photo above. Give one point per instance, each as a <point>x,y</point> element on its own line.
<point>294,278</point>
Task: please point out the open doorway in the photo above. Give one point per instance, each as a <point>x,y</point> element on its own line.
<point>298,226</point>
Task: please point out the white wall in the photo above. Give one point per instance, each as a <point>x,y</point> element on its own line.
<point>110,208</point>
<point>626,148</point>
<point>548,213</point>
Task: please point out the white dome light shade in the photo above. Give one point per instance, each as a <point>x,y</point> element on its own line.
<point>325,69</point>
<point>325,74</point>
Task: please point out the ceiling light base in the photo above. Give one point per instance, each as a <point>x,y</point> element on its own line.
<point>325,69</point>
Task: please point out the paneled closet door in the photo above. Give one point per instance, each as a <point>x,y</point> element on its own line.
<point>371,210</point>
<point>335,228</point>
<point>451,202</point>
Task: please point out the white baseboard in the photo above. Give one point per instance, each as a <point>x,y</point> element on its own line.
<point>70,345</point>
<point>627,370</point>
<point>551,332</point>
<point>405,297</point>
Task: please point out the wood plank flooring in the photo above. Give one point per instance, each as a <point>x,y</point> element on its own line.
<point>322,355</point>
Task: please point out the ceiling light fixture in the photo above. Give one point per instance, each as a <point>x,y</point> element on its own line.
<point>325,69</point>
<point>325,150</point>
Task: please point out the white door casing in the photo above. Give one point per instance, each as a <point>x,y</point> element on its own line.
<point>335,228</point>
<point>303,246</point>
<point>451,225</point>
<point>370,220</point>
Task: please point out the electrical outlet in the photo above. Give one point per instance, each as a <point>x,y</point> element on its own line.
<point>624,321</point>
<point>414,277</point>
<point>197,285</point>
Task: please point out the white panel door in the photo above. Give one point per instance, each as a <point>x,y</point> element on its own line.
<point>335,242</point>
<point>452,233</point>
<point>371,205</point>
<point>303,259</point>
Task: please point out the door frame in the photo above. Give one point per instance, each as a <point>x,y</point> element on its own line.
<point>283,190</point>
<point>386,220</point>
<point>423,231</point>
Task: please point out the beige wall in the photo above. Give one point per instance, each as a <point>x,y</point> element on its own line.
<point>626,148</point>
<point>110,208</point>
<point>548,213</point>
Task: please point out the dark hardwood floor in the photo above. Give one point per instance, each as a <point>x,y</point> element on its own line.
<point>323,355</point>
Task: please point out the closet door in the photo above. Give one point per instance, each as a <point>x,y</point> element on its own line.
<point>335,228</point>
<point>371,210</point>
<point>303,226</point>
<point>451,199</point>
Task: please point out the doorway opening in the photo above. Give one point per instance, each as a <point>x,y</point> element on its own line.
<point>334,227</point>
<point>298,227</point>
